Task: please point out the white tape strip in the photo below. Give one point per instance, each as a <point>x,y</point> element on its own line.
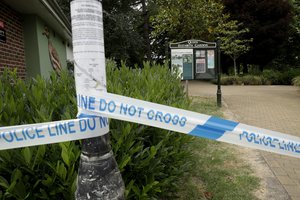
<point>147,113</point>
<point>53,132</point>
<point>133,110</point>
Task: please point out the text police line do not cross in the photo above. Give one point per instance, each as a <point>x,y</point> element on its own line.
<point>52,132</point>
<point>147,113</point>
<point>183,121</point>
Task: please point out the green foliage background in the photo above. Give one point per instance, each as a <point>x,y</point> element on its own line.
<point>296,81</point>
<point>267,77</point>
<point>150,159</point>
<point>46,171</point>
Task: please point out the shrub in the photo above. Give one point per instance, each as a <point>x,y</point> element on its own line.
<point>296,81</point>
<point>150,159</point>
<point>281,78</point>
<point>37,172</point>
<point>230,80</point>
<point>252,80</point>
<point>288,76</point>
<point>267,77</point>
<point>272,76</point>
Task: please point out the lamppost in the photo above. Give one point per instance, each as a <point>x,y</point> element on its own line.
<point>219,92</point>
<point>98,173</point>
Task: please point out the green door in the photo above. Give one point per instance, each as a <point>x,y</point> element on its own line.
<point>187,66</point>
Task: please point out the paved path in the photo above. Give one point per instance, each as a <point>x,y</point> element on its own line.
<point>272,107</point>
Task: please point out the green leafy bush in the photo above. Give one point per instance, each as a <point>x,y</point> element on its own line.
<point>231,80</point>
<point>150,159</point>
<point>267,77</point>
<point>272,76</point>
<point>281,78</point>
<point>46,171</point>
<point>289,75</point>
<point>296,81</point>
<point>242,80</point>
<point>252,80</point>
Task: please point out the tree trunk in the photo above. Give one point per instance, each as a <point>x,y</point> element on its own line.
<point>99,176</point>
<point>245,68</point>
<point>146,30</point>
<point>234,66</point>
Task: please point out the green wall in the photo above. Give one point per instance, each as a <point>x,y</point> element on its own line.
<point>31,46</point>
<point>36,47</point>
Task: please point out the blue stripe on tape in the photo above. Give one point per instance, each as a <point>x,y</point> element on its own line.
<point>86,116</point>
<point>214,128</point>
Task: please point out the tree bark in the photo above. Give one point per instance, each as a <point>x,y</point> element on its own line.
<point>99,176</point>
<point>146,30</point>
<point>234,66</point>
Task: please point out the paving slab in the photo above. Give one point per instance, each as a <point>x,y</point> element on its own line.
<point>272,107</point>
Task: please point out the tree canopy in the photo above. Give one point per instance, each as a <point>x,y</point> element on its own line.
<point>179,20</point>
<point>268,22</point>
<point>232,42</point>
<point>139,30</point>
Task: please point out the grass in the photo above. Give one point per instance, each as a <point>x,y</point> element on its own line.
<point>206,106</point>
<point>217,172</point>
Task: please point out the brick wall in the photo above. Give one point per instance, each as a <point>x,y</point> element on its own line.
<point>12,53</point>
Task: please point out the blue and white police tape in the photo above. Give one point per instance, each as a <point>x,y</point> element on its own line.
<point>53,132</point>
<point>174,119</point>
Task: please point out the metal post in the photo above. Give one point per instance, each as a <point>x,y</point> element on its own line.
<point>98,173</point>
<point>219,92</point>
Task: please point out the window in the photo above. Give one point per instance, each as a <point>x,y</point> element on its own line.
<point>200,53</point>
<point>200,65</point>
<point>210,59</point>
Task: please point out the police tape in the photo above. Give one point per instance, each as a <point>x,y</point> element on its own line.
<point>52,132</point>
<point>90,125</point>
<point>191,123</point>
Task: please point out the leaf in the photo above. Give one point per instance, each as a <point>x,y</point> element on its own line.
<point>16,175</point>
<point>20,190</point>
<point>39,156</point>
<point>129,188</point>
<point>37,183</point>
<point>74,184</point>
<point>5,156</point>
<point>3,182</point>
<point>136,190</point>
<point>65,155</point>
<point>124,162</point>
<point>148,187</point>
<point>153,151</point>
<point>27,155</point>
<point>61,170</point>
<point>11,187</point>
<point>48,181</point>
